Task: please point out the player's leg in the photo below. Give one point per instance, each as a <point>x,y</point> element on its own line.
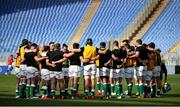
<point>17,86</point>
<point>104,86</point>
<point>76,80</point>
<point>121,76</point>
<point>118,89</point>
<point>140,77</point>
<point>147,90</point>
<point>93,84</point>
<point>28,85</point>
<point>87,79</point>
<point>105,75</point>
<point>71,78</point>
<point>38,81</point>
<point>98,83</point>
<point>18,79</point>
<point>136,82</point>
<point>53,83</point>
<point>22,85</point>
<point>61,79</point>
<point>108,84</point>
<point>45,76</point>
<point>128,76</point>
<point>158,81</point>
<point>35,81</point>
<point>33,75</point>
<point>72,86</point>
<point>77,87</point>
<point>76,75</point>
<point>33,87</point>
<point>66,78</point>
<point>111,81</point>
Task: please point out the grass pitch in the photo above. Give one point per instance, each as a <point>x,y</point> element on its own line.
<point>7,96</point>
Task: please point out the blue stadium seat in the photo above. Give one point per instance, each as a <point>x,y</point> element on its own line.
<point>165,31</point>
<point>39,21</point>
<point>112,18</point>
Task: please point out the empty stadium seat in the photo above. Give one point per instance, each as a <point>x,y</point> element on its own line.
<point>165,31</point>
<point>39,21</point>
<point>111,19</point>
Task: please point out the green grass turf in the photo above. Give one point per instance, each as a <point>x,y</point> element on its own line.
<point>7,96</point>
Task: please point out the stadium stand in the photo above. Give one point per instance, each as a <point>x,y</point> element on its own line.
<point>112,18</point>
<point>39,21</point>
<point>149,20</point>
<point>165,31</point>
<point>85,22</point>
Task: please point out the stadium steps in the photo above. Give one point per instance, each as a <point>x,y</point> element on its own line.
<point>85,22</point>
<point>175,48</point>
<point>149,21</point>
<point>139,20</point>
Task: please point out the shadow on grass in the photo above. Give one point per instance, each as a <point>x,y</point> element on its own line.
<point>81,102</point>
<point>170,95</point>
<point>8,95</point>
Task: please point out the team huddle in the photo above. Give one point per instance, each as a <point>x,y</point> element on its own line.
<point>102,69</point>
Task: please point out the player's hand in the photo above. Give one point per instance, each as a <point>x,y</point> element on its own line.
<point>119,66</point>
<point>91,62</point>
<point>93,58</point>
<point>53,62</point>
<point>85,60</point>
<point>106,64</point>
<point>45,57</point>
<point>53,65</point>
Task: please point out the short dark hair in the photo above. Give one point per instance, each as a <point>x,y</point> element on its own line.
<point>159,50</point>
<point>145,45</point>
<point>126,41</point>
<point>116,43</point>
<point>57,45</point>
<point>25,41</point>
<point>103,44</point>
<point>34,45</point>
<point>51,43</point>
<point>64,45</point>
<point>89,41</point>
<point>46,48</point>
<point>75,45</point>
<point>151,45</point>
<point>139,41</point>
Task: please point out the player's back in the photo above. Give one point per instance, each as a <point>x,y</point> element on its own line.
<point>89,52</point>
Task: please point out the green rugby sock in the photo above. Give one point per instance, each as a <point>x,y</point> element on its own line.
<point>98,85</point>
<point>141,89</point>
<point>112,88</point>
<point>129,89</point>
<point>27,90</point>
